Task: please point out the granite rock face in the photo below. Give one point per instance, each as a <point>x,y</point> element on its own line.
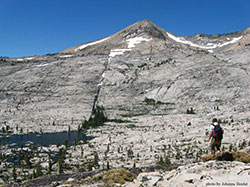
<point>211,173</point>
<point>120,71</point>
<point>148,77</point>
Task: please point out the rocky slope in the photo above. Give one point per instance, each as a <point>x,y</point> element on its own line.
<point>198,174</point>
<point>211,173</point>
<point>120,71</point>
<point>144,75</point>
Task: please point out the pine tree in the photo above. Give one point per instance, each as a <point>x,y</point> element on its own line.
<point>38,170</point>
<point>230,147</point>
<point>66,143</point>
<point>108,166</point>
<point>14,173</point>
<point>27,160</point>
<point>90,165</point>
<point>60,163</point>
<point>96,159</point>
<point>81,152</point>
<point>84,139</point>
<point>60,159</point>
<point>50,164</point>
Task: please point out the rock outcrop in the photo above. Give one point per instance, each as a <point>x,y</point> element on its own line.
<point>212,173</point>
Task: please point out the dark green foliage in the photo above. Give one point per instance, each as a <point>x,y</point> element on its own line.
<point>60,163</point>
<point>50,164</point>
<point>96,159</point>
<point>5,178</point>
<point>230,148</point>
<point>66,143</point>
<point>149,101</point>
<point>130,153</point>
<point>90,165</point>
<point>14,173</point>
<point>61,155</point>
<point>58,144</point>
<point>108,166</point>
<point>190,111</point>
<point>243,144</point>
<point>134,165</point>
<point>84,139</point>
<point>107,148</point>
<point>163,161</point>
<point>20,157</point>
<point>76,141</point>
<point>27,160</point>
<point>225,156</point>
<point>97,119</point>
<point>38,171</point>
<point>81,152</point>
<point>119,121</point>
<point>131,126</point>
<point>178,155</point>
<point>223,148</point>
<point>3,130</point>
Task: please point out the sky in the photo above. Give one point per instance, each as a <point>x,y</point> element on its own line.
<point>38,27</point>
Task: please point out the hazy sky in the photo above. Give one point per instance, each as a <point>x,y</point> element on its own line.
<point>36,27</point>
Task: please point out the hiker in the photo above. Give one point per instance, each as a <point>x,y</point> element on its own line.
<point>216,133</point>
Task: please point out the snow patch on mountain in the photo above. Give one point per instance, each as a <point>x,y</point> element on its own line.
<point>29,58</point>
<point>66,56</point>
<point>133,41</point>
<point>42,65</point>
<point>115,52</point>
<point>208,46</point>
<point>234,40</point>
<point>90,44</point>
<point>131,44</point>
<point>23,59</point>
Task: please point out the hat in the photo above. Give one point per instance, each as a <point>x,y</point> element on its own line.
<point>214,120</point>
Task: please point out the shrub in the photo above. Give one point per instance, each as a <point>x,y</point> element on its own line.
<point>163,162</point>
<point>149,101</point>
<point>241,157</point>
<point>229,156</point>
<point>115,176</point>
<point>131,126</point>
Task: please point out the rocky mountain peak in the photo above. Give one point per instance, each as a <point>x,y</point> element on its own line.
<point>145,27</point>
<point>145,30</point>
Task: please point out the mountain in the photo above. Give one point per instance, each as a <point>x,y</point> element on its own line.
<point>120,71</point>
<point>149,30</point>
<point>167,88</point>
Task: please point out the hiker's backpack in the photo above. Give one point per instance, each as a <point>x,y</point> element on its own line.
<point>218,132</point>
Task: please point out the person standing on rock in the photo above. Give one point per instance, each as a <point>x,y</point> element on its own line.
<point>216,133</point>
